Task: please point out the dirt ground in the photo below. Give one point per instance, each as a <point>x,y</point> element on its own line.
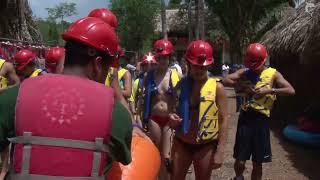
<point>290,161</point>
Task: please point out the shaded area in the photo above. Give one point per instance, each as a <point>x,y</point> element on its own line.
<point>302,158</point>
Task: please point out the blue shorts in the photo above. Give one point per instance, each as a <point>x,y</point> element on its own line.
<point>253,137</point>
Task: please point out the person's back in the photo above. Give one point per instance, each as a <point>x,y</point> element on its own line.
<point>64,112</point>
<point>64,121</point>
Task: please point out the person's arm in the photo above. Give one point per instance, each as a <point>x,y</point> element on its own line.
<point>121,135</point>
<point>175,120</point>
<point>116,87</point>
<point>231,79</point>
<point>11,73</point>
<point>133,97</point>
<point>222,104</point>
<point>284,88</point>
<point>7,117</point>
<point>5,163</point>
<point>126,92</point>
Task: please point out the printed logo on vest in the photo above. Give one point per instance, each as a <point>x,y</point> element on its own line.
<point>63,106</point>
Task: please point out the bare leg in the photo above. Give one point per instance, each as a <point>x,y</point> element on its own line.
<point>182,160</point>
<point>155,133</point>
<point>239,167</point>
<point>256,171</point>
<point>201,162</point>
<point>166,141</point>
<point>156,136</point>
<point>166,153</point>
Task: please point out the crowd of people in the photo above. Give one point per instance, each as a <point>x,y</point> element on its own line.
<point>77,116</point>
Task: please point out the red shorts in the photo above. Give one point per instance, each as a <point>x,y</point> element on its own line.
<point>160,120</point>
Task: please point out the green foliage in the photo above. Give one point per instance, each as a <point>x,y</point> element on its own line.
<point>51,31</point>
<point>62,10</point>
<point>137,20</point>
<point>174,4</point>
<point>50,28</point>
<point>245,21</point>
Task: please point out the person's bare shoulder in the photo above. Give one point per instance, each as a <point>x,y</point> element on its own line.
<point>220,86</point>
<point>7,67</point>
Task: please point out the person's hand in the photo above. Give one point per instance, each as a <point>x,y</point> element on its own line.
<point>259,93</point>
<point>217,159</point>
<point>174,120</point>
<point>3,173</point>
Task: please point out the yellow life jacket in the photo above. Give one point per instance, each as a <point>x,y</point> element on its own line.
<point>174,77</point>
<point>135,90</point>
<point>121,73</point>
<point>3,80</point>
<point>265,103</point>
<point>208,127</point>
<point>36,73</point>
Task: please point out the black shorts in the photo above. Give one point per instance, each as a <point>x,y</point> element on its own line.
<point>253,137</point>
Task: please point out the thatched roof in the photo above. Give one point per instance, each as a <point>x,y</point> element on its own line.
<point>294,34</point>
<point>294,49</point>
<point>176,21</point>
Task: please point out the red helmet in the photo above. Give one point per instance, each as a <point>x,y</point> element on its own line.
<point>94,33</point>
<point>106,15</point>
<point>163,47</point>
<point>23,58</point>
<point>54,55</point>
<point>256,56</point>
<point>199,53</point>
<point>149,58</point>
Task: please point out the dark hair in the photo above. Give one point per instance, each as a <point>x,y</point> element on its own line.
<point>78,54</point>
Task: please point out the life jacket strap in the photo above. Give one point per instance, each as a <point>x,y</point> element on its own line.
<point>28,140</point>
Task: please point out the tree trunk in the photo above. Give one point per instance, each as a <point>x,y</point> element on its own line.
<point>190,20</point>
<point>197,20</point>
<point>201,19</point>
<point>164,20</point>
<point>16,21</point>
<point>235,51</point>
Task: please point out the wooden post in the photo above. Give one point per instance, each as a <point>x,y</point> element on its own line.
<point>164,20</point>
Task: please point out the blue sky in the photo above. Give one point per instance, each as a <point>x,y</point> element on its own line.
<point>83,7</point>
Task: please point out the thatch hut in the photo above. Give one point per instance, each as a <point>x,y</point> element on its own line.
<point>294,49</point>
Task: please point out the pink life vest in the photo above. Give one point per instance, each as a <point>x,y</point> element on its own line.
<point>60,118</point>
